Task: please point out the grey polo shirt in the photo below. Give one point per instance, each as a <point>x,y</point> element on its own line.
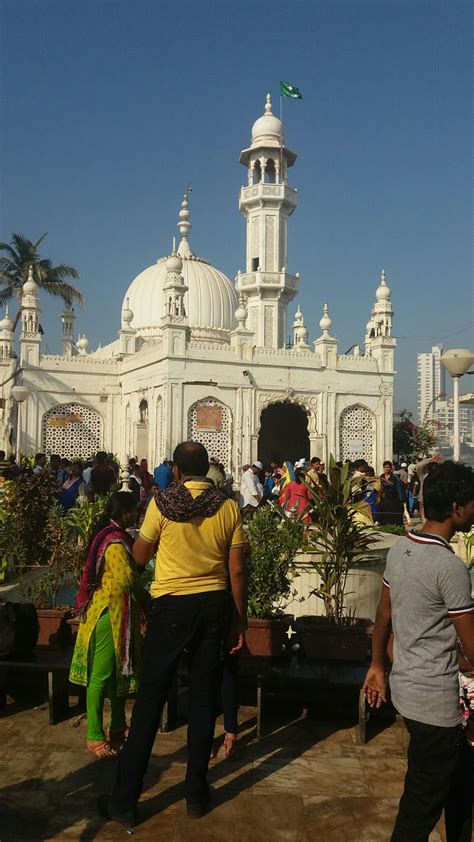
<point>428,586</point>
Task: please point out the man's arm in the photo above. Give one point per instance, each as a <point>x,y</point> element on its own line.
<point>375,684</point>
<point>238,584</point>
<point>464,625</point>
<point>143,551</point>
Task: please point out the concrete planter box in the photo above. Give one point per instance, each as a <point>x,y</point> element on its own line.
<point>364,582</point>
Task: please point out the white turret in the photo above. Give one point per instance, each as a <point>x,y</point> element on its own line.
<point>174,288</point>
<point>266,203</point>
<point>6,337</point>
<point>30,337</point>
<point>300,332</point>
<point>174,323</point>
<point>82,345</point>
<point>67,329</point>
<point>379,342</point>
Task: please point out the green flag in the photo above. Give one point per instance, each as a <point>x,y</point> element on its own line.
<point>289,90</point>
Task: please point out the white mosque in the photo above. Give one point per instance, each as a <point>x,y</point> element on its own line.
<point>200,357</point>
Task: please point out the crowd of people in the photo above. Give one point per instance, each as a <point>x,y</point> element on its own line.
<point>193,527</point>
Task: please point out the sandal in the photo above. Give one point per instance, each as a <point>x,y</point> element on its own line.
<point>102,751</point>
<point>229,746</point>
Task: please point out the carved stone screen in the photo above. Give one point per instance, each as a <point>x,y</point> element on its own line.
<point>356,434</point>
<point>72,430</point>
<point>209,423</point>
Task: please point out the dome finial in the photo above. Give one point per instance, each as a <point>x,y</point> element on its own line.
<point>268,105</point>
<point>241,312</point>
<point>184,225</point>
<point>383,290</point>
<point>326,321</point>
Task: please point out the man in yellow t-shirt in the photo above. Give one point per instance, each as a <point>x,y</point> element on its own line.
<point>197,533</point>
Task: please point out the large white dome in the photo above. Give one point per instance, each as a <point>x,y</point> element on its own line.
<point>210,302</point>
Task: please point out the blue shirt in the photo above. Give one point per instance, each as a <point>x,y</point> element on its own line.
<point>163,476</point>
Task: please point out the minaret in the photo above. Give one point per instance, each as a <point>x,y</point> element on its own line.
<point>67,324</point>
<point>379,341</point>
<point>6,337</point>
<point>30,337</point>
<point>266,202</point>
<point>174,322</point>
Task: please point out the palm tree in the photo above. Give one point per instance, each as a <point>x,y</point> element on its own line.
<point>21,254</point>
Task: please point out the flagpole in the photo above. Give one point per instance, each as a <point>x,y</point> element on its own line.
<point>281,137</point>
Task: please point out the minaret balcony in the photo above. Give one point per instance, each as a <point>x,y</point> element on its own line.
<point>255,194</point>
<point>276,280</point>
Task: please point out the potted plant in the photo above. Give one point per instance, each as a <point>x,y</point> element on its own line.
<point>68,536</point>
<point>274,542</point>
<point>340,540</point>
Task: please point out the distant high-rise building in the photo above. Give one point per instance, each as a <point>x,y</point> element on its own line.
<point>444,423</point>
<point>431,383</point>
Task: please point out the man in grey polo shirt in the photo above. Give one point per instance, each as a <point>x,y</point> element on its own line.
<point>427,601</point>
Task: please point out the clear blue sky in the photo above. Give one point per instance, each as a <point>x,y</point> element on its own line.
<point>110,108</point>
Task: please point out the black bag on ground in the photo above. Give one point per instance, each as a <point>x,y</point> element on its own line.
<point>19,628</point>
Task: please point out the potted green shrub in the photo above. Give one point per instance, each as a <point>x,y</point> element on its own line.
<point>68,536</point>
<point>274,542</point>
<point>340,540</point>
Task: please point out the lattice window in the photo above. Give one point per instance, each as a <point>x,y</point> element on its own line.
<point>217,441</point>
<point>72,430</point>
<point>356,434</point>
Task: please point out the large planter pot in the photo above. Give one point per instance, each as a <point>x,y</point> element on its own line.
<point>266,638</point>
<point>323,640</point>
<point>53,627</point>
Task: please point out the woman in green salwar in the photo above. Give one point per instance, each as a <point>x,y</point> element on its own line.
<point>109,604</point>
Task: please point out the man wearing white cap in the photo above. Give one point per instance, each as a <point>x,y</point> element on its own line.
<point>251,489</point>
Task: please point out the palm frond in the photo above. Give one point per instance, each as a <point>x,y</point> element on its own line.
<point>6,295</point>
<point>60,289</point>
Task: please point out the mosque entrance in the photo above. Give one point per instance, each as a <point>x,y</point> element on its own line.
<point>283,433</point>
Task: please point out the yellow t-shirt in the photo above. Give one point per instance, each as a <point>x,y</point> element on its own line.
<point>192,557</point>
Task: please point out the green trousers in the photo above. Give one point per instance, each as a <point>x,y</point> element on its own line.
<point>102,682</point>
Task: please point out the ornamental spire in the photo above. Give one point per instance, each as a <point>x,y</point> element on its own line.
<point>184,225</point>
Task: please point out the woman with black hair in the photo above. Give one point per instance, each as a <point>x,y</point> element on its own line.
<point>109,604</point>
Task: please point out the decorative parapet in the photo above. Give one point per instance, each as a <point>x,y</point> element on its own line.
<point>348,361</point>
<point>289,355</point>
<point>78,362</point>
<point>277,191</point>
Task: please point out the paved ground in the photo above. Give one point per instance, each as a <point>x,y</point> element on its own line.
<point>306,780</point>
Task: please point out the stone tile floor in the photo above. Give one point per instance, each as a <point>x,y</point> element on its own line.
<point>306,780</point>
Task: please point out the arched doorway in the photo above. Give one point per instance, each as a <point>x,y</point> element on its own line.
<point>283,433</point>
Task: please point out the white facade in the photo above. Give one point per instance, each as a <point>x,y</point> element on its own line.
<point>444,423</point>
<point>198,356</point>
<point>431,383</point>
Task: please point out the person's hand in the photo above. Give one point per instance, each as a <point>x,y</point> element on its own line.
<point>375,687</point>
<point>236,636</point>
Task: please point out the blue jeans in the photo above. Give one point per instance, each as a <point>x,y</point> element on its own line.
<point>196,622</point>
